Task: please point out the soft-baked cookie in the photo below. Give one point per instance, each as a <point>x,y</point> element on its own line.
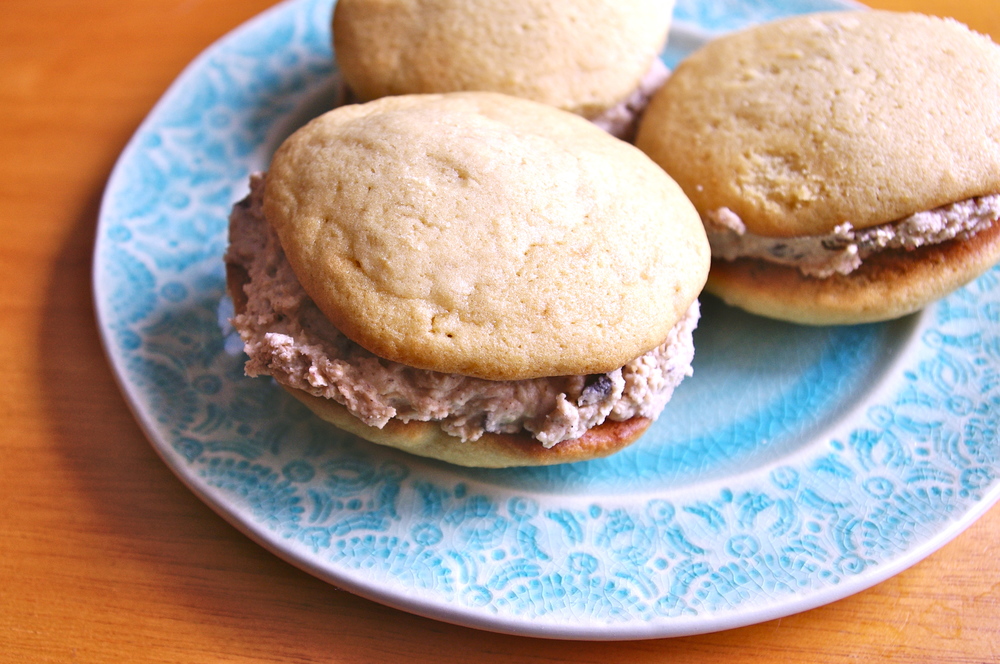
<point>469,267</point>
<point>584,56</point>
<point>835,158</point>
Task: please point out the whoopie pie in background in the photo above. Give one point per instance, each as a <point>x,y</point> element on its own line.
<point>595,58</point>
<point>846,165</point>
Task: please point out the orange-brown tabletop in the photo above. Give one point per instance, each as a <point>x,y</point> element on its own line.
<point>105,555</point>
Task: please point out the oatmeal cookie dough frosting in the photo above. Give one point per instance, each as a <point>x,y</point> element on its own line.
<point>843,250</point>
<point>485,235</point>
<point>584,56</point>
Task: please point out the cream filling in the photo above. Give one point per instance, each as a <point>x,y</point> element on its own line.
<point>843,250</point>
<point>622,120</point>
<point>287,337</point>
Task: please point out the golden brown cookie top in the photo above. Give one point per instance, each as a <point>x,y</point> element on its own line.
<point>485,235</point>
<point>583,56</point>
<point>805,123</point>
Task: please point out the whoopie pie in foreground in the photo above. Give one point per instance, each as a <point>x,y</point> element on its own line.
<point>472,277</point>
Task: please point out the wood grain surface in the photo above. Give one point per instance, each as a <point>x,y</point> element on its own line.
<point>106,557</point>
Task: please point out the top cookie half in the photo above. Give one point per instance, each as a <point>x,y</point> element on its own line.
<point>802,124</point>
<point>485,235</point>
<point>583,56</point>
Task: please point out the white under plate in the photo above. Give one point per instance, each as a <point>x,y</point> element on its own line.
<point>799,465</point>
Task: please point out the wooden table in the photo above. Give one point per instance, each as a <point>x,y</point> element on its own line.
<point>106,557</point>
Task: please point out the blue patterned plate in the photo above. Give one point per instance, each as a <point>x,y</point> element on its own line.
<point>797,466</point>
